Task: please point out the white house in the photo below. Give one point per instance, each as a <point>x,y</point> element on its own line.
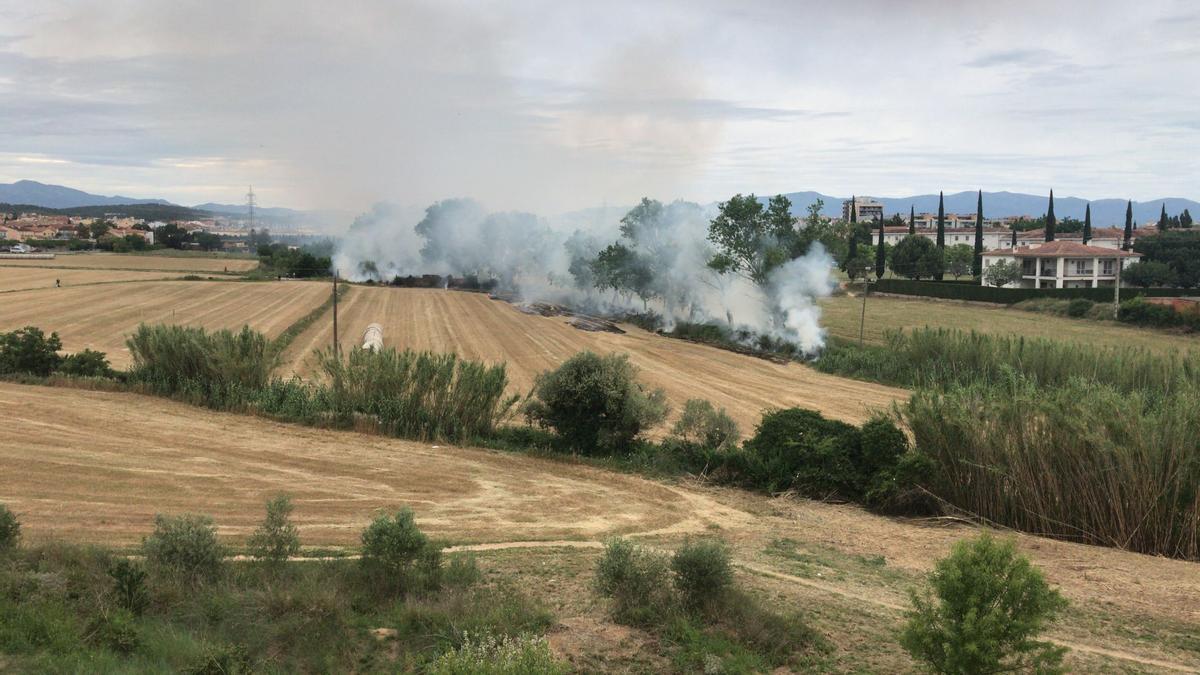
<point>1063,264</point>
<point>992,237</point>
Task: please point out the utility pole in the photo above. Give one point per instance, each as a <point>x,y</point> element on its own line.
<point>335,330</point>
<point>1117,288</point>
<point>862,321</point>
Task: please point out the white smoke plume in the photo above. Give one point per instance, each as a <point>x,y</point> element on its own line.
<point>551,260</point>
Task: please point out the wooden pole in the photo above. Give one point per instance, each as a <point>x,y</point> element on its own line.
<point>862,321</point>
<point>335,330</point>
<point>1117,288</point>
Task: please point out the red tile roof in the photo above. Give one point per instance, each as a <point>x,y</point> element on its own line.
<point>1063,249</point>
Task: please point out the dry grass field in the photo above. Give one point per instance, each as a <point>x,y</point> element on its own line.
<point>102,316</point>
<point>27,278</point>
<point>841,314</point>
<point>477,327</point>
<point>149,261</point>
<point>94,466</point>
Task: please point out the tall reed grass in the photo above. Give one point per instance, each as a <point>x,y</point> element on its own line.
<point>418,394</point>
<point>940,357</point>
<point>170,359</point>
<point>1078,460</point>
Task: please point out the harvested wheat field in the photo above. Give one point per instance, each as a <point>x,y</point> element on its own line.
<point>28,278</point>
<point>198,263</point>
<point>476,327</point>
<point>95,467</point>
<point>102,316</point>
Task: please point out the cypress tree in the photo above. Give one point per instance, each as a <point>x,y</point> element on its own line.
<point>853,209</point>
<point>977,261</point>
<point>880,257</point>
<point>1014,236</point>
<point>1087,224</point>
<point>1164,223</point>
<point>941,235</point>
<point>852,248</point>
<point>1185,220</point>
<point>1051,222</point>
<point>1128,226</point>
<point>912,220</point>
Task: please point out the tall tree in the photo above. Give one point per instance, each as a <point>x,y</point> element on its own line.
<point>1087,224</point>
<point>1185,220</point>
<point>977,262</point>
<point>1014,236</point>
<point>1125,245</point>
<point>852,244</point>
<point>941,233</point>
<point>880,254</point>
<point>751,241</point>
<point>1164,223</point>
<point>853,209</point>
<point>1050,220</point>
<point>912,220</point>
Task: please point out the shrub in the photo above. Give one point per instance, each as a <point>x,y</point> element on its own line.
<point>28,350</point>
<point>173,359</point>
<point>702,572</point>
<point>988,604</point>
<point>419,394</point>
<point>710,428</point>
<point>1142,313</point>
<point>87,363</point>
<point>637,581</point>
<point>276,539</point>
<point>1079,307</point>
<point>129,586</point>
<point>10,529</point>
<point>503,655</point>
<point>799,449</point>
<point>186,546</point>
<point>595,404</point>
<point>115,630</point>
<point>399,555</point>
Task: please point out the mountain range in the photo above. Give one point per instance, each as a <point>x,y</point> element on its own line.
<point>1105,212</point>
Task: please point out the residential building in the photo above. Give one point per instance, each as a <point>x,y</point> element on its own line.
<point>865,208</point>
<point>1063,264</point>
<point>1104,237</point>
<point>992,237</point>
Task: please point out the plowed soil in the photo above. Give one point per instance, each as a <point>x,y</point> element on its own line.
<point>477,327</point>
<point>102,316</point>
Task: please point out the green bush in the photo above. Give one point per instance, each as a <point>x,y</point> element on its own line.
<point>276,539</point>
<point>87,363</point>
<point>702,572</point>
<point>1138,311</point>
<point>1007,296</point>
<point>1079,307</point>
<point>129,586</point>
<point>185,546</point>
<point>987,607</point>
<point>27,350</point>
<point>115,630</point>
<point>637,580</point>
<point>184,359</point>
<point>706,426</point>
<point>398,555</point>
<point>10,529</point>
<point>799,449</point>
<point>499,655</point>
<point>595,404</point>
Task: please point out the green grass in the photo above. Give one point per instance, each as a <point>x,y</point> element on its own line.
<point>841,314</point>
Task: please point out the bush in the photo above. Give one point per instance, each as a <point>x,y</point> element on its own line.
<point>637,581</point>
<point>115,630</point>
<point>988,604</point>
<point>129,586</point>
<point>595,404</point>
<point>701,424</point>
<point>1079,307</point>
<point>702,572</point>
<point>186,546</point>
<point>10,529</point>
<point>87,363</point>
<point>277,539</point>
<point>1138,311</point>
<point>399,555</point>
<point>174,359</point>
<point>1006,296</point>
<point>503,655</point>
<point>28,350</point>
<point>799,449</point>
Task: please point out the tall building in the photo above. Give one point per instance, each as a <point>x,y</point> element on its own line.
<point>868,209</point>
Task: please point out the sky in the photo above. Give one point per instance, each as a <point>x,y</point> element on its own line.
<point>558,105</point>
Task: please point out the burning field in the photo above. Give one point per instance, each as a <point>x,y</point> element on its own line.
<point>477,327</point>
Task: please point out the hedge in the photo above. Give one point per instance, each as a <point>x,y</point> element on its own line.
<point>1009,296</point>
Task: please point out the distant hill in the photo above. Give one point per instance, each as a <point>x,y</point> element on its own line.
<point>1105,212</point>
<point>150,212</point>
<point>240,210</point>
<point>61,197</point>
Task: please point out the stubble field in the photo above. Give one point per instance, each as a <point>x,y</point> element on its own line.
<point>186,263</point>
<point>476,327</point>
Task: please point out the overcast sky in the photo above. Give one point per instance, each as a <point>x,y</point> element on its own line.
<point>556,105</point>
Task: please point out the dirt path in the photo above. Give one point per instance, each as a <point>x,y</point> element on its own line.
<point>92,466</point>
<point>479,328</point>
<point>101,316</point>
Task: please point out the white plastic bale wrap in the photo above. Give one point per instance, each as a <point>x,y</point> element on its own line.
<point>372,339</point>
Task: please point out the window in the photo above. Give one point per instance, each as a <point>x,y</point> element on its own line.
<point>1109,266</point>
<point>1080,267</point>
